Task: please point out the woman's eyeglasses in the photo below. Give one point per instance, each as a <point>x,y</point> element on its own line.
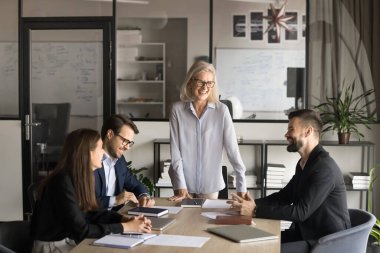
<point>201,83</point>
<point>126,142</point>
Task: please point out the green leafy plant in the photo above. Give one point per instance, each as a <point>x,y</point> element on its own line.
<point>140,176</point>
<point>375,232</point>
<point>344,112</point>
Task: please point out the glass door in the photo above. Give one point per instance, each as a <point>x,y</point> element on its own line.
<point>66,79</point>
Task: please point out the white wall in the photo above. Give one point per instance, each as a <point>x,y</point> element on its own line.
<point>10,171</point>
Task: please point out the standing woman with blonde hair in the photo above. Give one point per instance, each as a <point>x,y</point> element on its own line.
<point>200,128</point>
<point>66,210</point>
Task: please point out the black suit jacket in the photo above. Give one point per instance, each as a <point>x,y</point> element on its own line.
<point>57,215</point>
<point>314,199</point>
<point>125,180</point>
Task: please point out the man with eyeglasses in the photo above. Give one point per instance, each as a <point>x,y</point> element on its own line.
<point>115,185</point>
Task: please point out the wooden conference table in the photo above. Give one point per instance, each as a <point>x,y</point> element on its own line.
<point>189,221</point>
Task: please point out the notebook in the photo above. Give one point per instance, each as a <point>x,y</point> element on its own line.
<point>123,241</point>
<point>242,233</point>
<point>192,202</point>
<point>160,224</point>
<point>148,211</point>
<point>233,220</point>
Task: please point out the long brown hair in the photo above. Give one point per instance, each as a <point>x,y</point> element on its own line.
<point>75,160</point>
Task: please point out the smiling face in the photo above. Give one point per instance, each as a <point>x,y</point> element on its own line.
<point>295,135</point>
<point>118,143</point>
<point>201,93</point>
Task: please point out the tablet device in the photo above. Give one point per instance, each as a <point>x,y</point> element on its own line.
<point>159,224</point>
<point>242,233</point>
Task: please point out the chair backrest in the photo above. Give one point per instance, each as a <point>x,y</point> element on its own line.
<point>54,119</point>
<point>352,240</point>
<point>15,235</point>
<point>223,194</point>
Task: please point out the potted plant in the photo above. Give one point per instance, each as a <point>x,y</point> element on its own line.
<point>143,179</point>
<point>345,112</point>
<point>375,232</point>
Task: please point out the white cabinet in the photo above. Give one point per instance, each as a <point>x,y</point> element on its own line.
<point>140,91</point>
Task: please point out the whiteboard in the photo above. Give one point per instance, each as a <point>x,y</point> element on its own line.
<point>9,78</point>
<point>257,76</point>
<point>60,72</point>
<point>68,72</point>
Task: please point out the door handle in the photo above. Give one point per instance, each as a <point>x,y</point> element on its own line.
<point>28,126</point>
<point>33,124</point>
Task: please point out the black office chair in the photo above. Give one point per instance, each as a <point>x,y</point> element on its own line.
<point>223,194</point>
<point>54,124</point>
<point>15,237</point>
<point>352,240</point>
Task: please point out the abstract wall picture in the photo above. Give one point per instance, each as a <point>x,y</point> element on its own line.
<point>239,26</point>
<point>257,32</point>
<point>292,32</point>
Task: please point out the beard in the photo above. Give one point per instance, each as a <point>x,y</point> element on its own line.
<point>111,151</point>
<point>294,146</point>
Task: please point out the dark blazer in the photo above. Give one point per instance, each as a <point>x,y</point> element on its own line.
<point>125,180</point>
<point>57,215</point>
<point>314,199</point>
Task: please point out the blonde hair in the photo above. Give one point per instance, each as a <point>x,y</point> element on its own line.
<point>186,94</point>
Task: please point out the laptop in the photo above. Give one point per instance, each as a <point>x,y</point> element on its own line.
<point>242,233</point>
<point>160,224</point>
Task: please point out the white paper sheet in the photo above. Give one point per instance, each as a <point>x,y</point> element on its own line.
<point>212,215</point>
<point>216,203</point>
<point>177,241</point>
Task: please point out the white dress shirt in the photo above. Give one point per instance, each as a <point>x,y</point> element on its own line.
<point>109,170</point>
<point>196,147</point>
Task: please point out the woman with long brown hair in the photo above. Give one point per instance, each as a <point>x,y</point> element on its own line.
<point>66,210</point>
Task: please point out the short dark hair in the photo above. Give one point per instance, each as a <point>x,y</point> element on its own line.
<point>116,122</point>
<point>308,117</point>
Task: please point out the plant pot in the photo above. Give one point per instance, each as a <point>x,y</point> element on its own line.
<point>344,138</point>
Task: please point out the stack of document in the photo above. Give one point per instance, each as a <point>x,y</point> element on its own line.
<point>359,180</point>
<point>285,224</point>
<point>164,179</point>
<point>275,175</point>
<point>250,179</point>
<point>125,241</point>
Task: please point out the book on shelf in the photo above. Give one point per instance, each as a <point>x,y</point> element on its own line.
<point>274,181</point>
<point>275,173</point>
<point>360,181</point>
<point>124,241</point>
<point>358,175</point>
<point>196,202</point>
<point>360,186</point>
<point>275,177</point>
<point>274,185</point>
<point>275,167</point>
<point>148,211</point>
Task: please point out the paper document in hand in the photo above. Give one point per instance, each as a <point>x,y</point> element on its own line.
<point>216,203</point>
<point>177,241</point>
